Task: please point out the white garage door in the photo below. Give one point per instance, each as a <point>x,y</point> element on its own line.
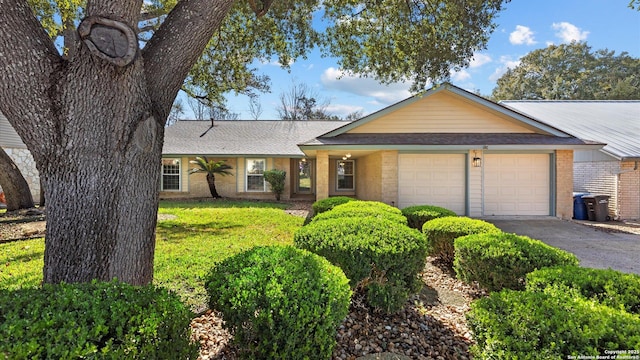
<point>432,179</point>
<point>516,184</point>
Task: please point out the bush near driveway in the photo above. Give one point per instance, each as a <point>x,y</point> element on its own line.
<point>94,320</point>
<point>359,208</point>
<point>329,203</point>
<point>419,214</point>
<point>501,260</point>
<point>441,233</point>
<point>380,256</point>
<point>608,287</point>
<point>550,324</point>
<point>280,302</point>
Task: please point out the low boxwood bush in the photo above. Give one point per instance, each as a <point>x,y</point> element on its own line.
<point>419,214</point>
<point>280,302</point>
<point>359,208</point>
<point>548,325</point>
<point>502,260</point>
<point>106,320</point>
<point>379,256</point>
<point>441,233</point>
<point>608,287</point>
<point>329,203</point>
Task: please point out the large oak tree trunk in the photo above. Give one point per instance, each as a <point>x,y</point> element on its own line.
<point>14,186</point>
<point>95,129</point>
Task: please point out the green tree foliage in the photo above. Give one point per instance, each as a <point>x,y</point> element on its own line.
<point>276,178</point>
<point>571,72</point>
<point>211,168</point>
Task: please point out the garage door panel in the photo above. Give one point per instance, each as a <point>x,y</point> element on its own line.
<point>435,179</point>
<point>516,184</point>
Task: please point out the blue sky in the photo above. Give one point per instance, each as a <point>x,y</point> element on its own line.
<point>523,26</point>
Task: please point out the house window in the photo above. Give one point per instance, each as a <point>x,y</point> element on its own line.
<point>170,180</point>
<point>345,172</point>
<point>255,174</point>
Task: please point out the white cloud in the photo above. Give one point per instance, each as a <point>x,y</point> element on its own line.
<point>568,32</point>
<point>506,63</point>
<point>335,79</point>
<point>459,76</point>
<point>522,35</point>
<point>343,109</point>
<point>479,59</point>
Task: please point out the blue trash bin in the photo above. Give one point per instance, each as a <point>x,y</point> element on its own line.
<point>579,206</point>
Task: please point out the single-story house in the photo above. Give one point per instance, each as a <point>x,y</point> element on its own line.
<point>11,143</point>
<point>613,170</point>
<point>445,147</point>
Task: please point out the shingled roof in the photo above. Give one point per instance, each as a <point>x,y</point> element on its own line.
<point>243,138</point>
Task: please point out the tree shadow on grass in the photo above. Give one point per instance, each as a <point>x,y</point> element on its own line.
<point>173,231</point>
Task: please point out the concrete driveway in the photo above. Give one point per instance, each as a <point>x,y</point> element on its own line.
<point>595,248</point>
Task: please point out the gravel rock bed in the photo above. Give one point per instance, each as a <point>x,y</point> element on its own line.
<point>432,325</point>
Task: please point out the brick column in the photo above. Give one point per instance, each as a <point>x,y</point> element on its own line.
<point>322,174</point>
<point>390,177</point>
<point>564,184</point>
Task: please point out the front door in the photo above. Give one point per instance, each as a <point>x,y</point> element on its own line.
<point>304,176</point>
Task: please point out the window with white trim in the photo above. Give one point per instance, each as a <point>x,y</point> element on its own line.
<point>170,179</point>
<point>345,173</point>
<point>255,174</point>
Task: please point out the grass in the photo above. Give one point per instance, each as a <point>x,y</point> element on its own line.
<point>195,237</point>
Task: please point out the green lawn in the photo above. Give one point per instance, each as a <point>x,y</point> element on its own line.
<point>200,235</point>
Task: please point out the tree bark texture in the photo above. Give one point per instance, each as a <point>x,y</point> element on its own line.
<point>15,187</point>
<point>95,130</point>
<point>211,181</point>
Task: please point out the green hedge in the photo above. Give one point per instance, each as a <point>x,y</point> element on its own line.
<point>501,260</point>
<point>419,214</point>
<point>280,302</point>
<point>608,287</point>
<point>441,233</point>
<point>329,203</point>
<point>359,208</point>
<point>109,320</point>
<point>548,325</point>
<point>380,256</point>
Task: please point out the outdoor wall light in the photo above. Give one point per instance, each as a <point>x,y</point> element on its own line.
<point>348,155</point>
<point>476,162</point>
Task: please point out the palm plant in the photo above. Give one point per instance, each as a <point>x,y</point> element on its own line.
<point>210,167</point>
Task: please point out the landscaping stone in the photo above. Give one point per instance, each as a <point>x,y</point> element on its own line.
<point>432,325</point>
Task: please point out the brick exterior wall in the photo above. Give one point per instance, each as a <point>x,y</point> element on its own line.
<point>629,191</point>
<point>564,184</point>
<point>368,177</point>
<point>322,174</point>
<point>389,181</point>
<point>599,178</point>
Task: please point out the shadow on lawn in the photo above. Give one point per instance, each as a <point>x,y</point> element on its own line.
<point>221,203</point>
<point>173,231</point>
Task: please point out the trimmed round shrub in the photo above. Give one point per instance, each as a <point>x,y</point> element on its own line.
<point>359,208</point>
<point>280,302</point>
<point>106,320</point>
<point>502,260</point>
<point>548,325</point>
<point>441,233</point>
<point>329,203</point>
<point>419,214</point>
<point>380,257</point>
<point>608,287</point>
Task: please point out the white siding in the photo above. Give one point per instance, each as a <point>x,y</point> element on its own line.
<point>8,136</point>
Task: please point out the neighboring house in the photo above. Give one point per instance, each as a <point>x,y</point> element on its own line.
<point>17,150</point>
<point>445,147</point>
<point>613,170</point>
